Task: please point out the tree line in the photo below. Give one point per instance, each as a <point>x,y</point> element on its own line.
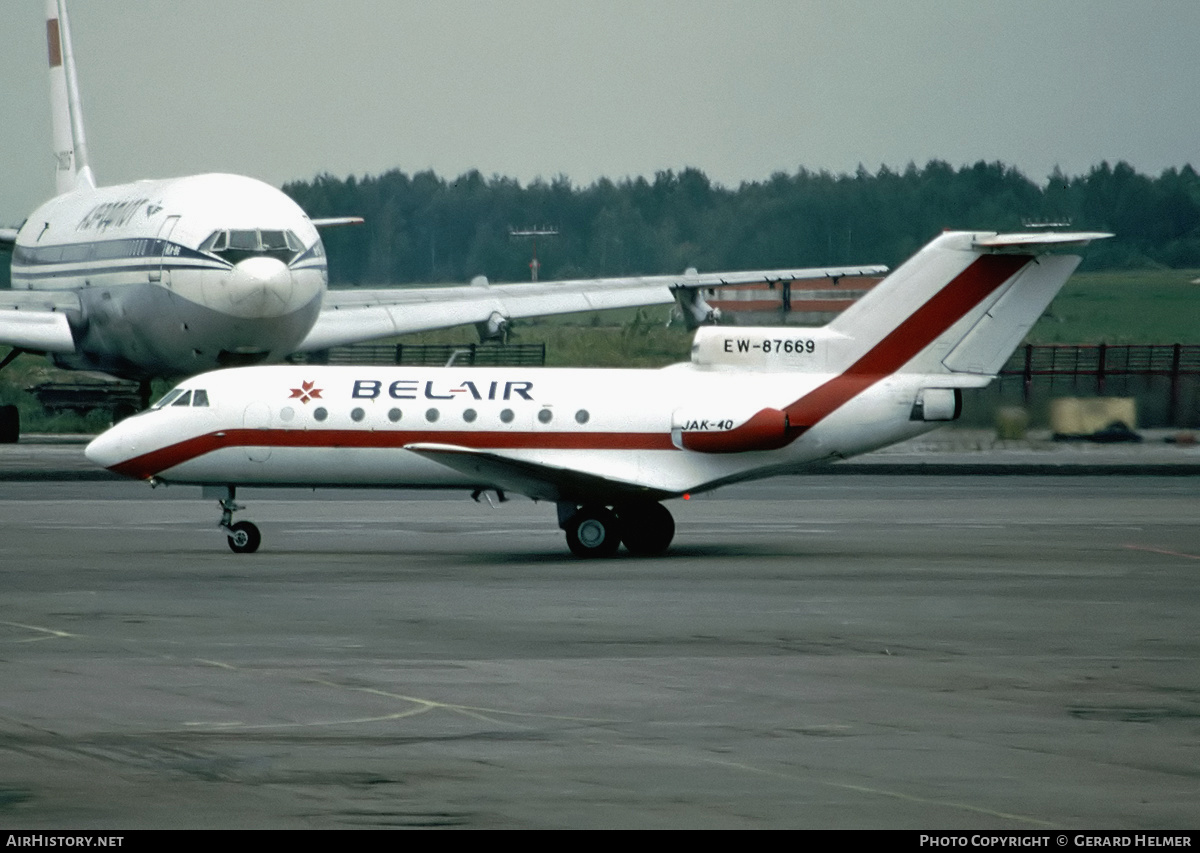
<point>422,227</point>
<point>425,228</point>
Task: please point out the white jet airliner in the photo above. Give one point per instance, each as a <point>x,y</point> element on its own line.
<point>168,278</point>
<point>606,446</point>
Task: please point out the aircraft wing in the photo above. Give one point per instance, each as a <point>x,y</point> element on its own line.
<point>354,315</point>
<point>37,320</point>
<point>8,236</point>
<point>535,479</point>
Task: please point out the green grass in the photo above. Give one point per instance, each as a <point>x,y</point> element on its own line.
<point>1136,307</point>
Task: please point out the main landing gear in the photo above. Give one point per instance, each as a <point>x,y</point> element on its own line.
<point>646,528</point>
<point>244,536</point>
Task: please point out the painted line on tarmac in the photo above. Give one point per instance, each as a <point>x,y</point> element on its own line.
<point>48,633</point>
<point>1162,551</point>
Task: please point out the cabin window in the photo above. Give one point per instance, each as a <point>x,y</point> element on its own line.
<point>507,416</point>
<point>200,397</point>
<point>545,416</point>
<point>431,415</point>
<point>357,415</point>
<point>582,416</point>
<point>320,414</point>
<point>469,415</point>
<point>394,415</point>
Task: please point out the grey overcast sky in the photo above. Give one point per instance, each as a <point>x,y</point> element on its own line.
<point>590,88</point>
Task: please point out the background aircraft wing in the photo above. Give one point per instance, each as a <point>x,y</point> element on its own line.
<point>500,470</point>
<point>8,236</point>
<point>354,315</point>
<point>37,320</point>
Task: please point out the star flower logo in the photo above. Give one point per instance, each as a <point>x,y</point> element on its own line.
<point>306,392</point>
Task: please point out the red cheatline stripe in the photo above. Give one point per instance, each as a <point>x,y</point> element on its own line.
<point>902,344</point>
<point>149,464</point>
<point>52,42</point>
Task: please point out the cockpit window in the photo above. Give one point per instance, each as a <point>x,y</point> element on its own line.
<point>247,240</point>
<point>217,241</point>
<point>272,241</point>
<point>168,398</point>
<point>185,399</point>
<point>200,397</point>
<point>238,244</point>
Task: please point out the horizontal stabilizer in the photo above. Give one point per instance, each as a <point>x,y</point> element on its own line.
<point>1047,240</point>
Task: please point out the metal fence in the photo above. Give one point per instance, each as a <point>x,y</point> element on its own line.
<point>1106,369</point>
<point>433,355</point>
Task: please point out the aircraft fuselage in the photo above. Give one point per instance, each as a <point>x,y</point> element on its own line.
<point>635,429</point>
<point>174,277</point>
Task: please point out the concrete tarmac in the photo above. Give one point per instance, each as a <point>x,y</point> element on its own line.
<point>933,652</point>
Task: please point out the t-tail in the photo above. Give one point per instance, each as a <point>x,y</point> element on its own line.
<point>951,315</point>
<point>955,311</point>
<point>73,170</point>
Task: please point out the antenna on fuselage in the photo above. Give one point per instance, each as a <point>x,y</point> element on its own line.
<point>70,147</point>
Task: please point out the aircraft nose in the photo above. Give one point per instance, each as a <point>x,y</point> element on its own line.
<point>260,287</point>
<point>110,448</point>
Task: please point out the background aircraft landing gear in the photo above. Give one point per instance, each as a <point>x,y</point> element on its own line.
<point>592,531</point>
<point>647,528</point>
<point>10,418</point>
<point>244,537</point>
<point>10,425</point>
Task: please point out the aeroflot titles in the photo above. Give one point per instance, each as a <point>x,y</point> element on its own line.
<point>408,389</point>
<point>111,214</point>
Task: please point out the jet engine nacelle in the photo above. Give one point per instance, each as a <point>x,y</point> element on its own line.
<point>937,404</point>
<point>710,430</point>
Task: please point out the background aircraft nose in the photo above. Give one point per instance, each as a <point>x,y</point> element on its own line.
<point>260,287</point>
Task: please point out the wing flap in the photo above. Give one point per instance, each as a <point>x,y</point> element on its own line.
<point>534,479</point>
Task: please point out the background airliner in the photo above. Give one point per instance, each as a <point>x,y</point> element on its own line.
<point>607,446</point>
<point>173,277</point>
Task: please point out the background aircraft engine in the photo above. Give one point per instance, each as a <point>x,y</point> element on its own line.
<point>766,429</point>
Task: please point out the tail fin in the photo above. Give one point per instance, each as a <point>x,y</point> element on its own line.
<point>960,305</point>
<point>70,147</point>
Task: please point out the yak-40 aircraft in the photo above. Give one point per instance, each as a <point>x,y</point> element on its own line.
<point>607,446</point>
<point>168,278</point>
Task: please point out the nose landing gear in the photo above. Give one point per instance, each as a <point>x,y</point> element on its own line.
<point>244,536</point>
